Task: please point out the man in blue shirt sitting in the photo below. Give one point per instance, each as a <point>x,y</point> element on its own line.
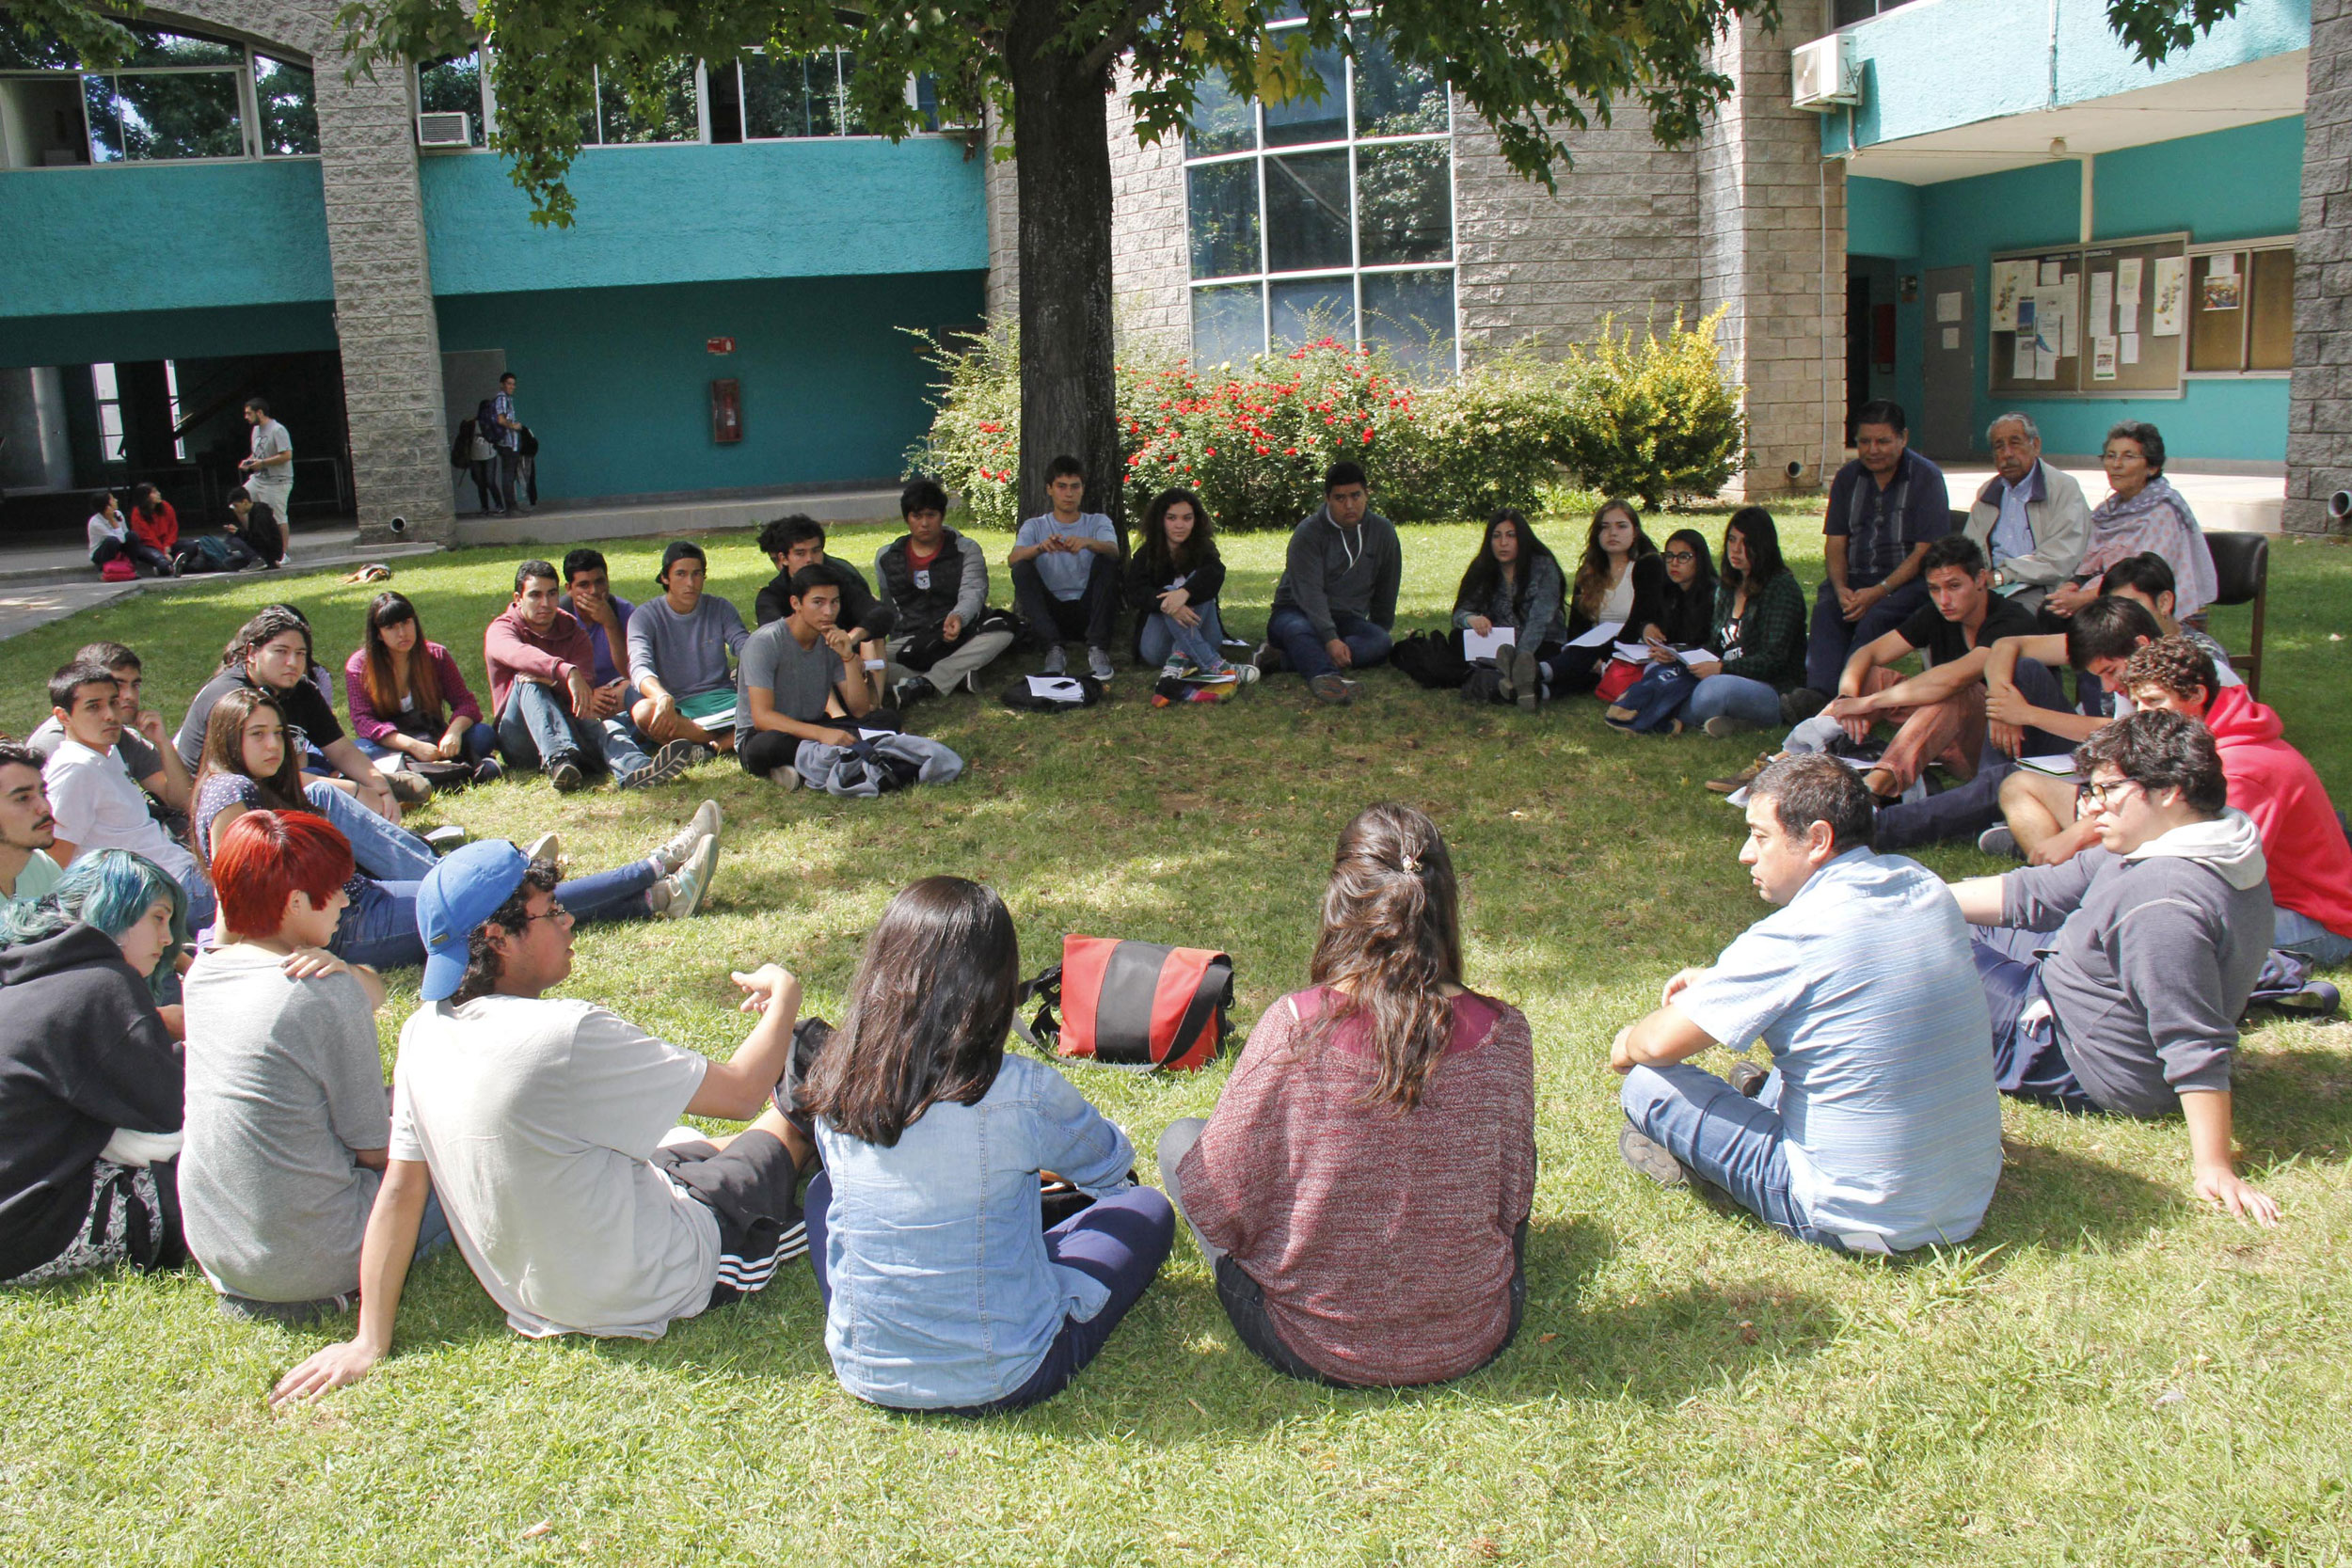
<point>1886,508</point>
<point>1879,1127</point>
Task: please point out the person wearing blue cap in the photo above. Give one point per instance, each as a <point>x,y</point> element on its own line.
<point>549,1128</point>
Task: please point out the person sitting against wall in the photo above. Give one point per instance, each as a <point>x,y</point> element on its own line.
<point>89,1074</point>
<point>1878,1128</point>
<point>1758,633</point>
<point>1939,714</point>
<point>2143,513</point>
<point>2030,519</point>
<point>1676,620</point>
<point>796,541</point>
<point>1335,606</point>
<point>804,678</point>
<point>934,583</point>
<point>111,539</point>
<point>1514,581</point>
<point>1173,579</point>
<point>1386,1063</point>
<point>1620,566</point>
<point>156,525</point>
<point>679,646</point>
<point>255,525</point>
<point>287,1115</point>
<point>1886,508</point>
<point>549,1129</point>
<point>2115,979</point>
<point>409,702</point>
<point>943,1290</point>
<point>1065,572</point>
<point>550,712</point>
<point>2303,839</point>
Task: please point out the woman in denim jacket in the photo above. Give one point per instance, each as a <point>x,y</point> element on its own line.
<point>943,1289</point>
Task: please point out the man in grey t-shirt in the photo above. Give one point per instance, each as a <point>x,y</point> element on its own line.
<point>1065,572</point>
<point>269,470</point>
<point>803,679</point>
<point>678,646</point>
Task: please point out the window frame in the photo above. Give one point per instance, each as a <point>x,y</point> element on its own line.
<point>2245,250</point>
<point>1352,141</point>
<point>250,132</point>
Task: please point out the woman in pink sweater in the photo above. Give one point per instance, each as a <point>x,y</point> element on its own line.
<point>409,700</point>
<point>1362,1191</point>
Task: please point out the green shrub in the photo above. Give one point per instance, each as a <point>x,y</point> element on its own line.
<point>1654,417</point>
<point>1489,438</point>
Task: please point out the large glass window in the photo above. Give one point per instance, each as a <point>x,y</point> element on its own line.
<point>676,113</point>
<point>180,96</point>
<point>1330,216</point>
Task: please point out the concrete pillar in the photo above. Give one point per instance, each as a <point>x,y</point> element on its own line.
<point>1772,249</point>
<point>2319,406</point>
<point>1003,199</point>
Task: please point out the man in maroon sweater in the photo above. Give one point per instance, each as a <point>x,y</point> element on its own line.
<point>550,712</point>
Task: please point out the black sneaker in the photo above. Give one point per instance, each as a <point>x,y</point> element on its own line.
<point>669,763</point>
<point>1269,659</point>
<point>1801,705</point>
<point>1646,1158</point>
<point>1748,1078</point>
<point>913,689</point>
<point>565,776</point>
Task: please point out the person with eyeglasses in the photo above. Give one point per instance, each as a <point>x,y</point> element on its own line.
<point>2114,979</point>
<point>549,1129</point>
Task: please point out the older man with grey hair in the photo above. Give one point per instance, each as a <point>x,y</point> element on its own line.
<point>2030,519</point>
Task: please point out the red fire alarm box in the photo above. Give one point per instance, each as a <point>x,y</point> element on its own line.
<point>720,345</point>
<point>726,411</point>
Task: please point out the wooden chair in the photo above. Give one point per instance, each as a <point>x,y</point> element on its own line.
<point>2241,568</point>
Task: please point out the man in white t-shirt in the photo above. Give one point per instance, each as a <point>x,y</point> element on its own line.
<point>269,471</point>
<point>549,1128</point>
<point>27,827</point>
<point>95,804</point>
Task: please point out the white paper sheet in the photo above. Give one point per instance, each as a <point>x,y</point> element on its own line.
<point>2044,365</point>
<point>2224,265</point>
<point>2010,279</point>
<point>2102,305</point>
<point>2022,370</point>
<point>2059,764</point>
<point>2127,286</point>
<point>1476,646</point>
<point>1951,337</point>
<point>1948,305</point>
<point>1059,687</point>
<point>2071,339</point>
<point>2053,273</point>
<point>2103,358</point>
<point>2128,347</point>
<point>1605,632</point>
<point>2171,283</point>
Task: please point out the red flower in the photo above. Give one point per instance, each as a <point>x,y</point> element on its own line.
<point>1290,451</point>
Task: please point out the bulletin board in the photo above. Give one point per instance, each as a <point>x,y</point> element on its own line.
<point>2097,321</point>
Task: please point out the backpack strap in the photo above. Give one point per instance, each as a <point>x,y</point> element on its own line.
<point>1215,990</point>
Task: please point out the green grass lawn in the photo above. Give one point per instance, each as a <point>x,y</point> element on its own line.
<point>2106,1373</point>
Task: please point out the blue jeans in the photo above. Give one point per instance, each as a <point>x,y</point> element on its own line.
<point>1289,629</point>
<point>1735,697</point>
<point>1659,697</point>
<point>379,929</point>
<point>534,731</point>
<point>382,849</point>
<point>1160,636</point>
<point>481,741</point>
<point>1965,810</point>
<point>1832,638</point>
<point>1121,1240</point>
<point>2027,1061</point>
<point>2301,934</point>
<point>1738,1144</point>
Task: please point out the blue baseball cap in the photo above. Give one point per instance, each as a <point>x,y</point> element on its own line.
<point>460,893</point>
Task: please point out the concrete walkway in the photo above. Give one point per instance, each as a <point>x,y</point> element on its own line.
<point>42,583</point>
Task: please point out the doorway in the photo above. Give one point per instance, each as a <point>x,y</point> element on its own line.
<point>1948,424</point>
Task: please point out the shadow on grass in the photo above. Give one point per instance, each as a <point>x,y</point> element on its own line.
<point>2294,1101</point>
<point>2054,1198</point>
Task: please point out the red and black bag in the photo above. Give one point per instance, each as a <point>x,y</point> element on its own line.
<point>1134,1005</point>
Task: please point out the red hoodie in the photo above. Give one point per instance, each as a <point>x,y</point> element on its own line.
<point>2311,862</point>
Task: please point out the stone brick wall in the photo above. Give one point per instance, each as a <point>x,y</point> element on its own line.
<point>384,319</point>
<point>2319,408</point>
<point>1771,222</point>
<point>1002,181</point>
<point>1150,253</point>
<point>1620,237</point>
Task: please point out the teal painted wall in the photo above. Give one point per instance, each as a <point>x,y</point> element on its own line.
<point>826,206</point>
<point>2025,54</point>
<point>127,337</point>
<point>159,237</point>
<point>615,382</point>
<point>1882,217</point>
<point>2232,184</point>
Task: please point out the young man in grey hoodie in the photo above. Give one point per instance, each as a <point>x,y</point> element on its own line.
<point>2132,1007</point>
<point>1337,599</point>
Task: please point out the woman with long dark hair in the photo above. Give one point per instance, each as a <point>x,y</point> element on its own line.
<point>1363,1190</point>
<point>1514,581</point>
<point>90,1073</point>
<point>1758,636</point>
<point>1620,569</point>
<point>409,699</point>
<point>943,1290</point>
<point>1172,582</point>
<point>1675,620</point>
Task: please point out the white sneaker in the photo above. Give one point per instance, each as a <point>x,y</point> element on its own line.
<point>785,777</point>
<point>547,846</point>
<point>1245,671</point>
<point>681,892</point>
<point>1099,664</point>
<point>448,836</point>
<point>706,823</point>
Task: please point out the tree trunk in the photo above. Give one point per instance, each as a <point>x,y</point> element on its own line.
<point>1061,143</point>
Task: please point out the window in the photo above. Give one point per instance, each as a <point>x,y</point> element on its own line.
<point>110,412</point>
<point>678,115</point>
<point>2241,309</point>
<point>1333,216</point>
<point>180,96</point>
<point>171,391</point>
<point>456,86</point>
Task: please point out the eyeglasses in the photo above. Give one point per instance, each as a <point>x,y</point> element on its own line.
<point>2101,796</point>
<point>555,911</point>
<point>1680,555</point>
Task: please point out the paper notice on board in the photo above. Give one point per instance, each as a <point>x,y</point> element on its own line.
<point>2071,335</point>
<point>2010,279</point>
<point>2053,273</point>
<point>2224,265</point>
<point>2172,284</point>
<point>2101,358</point>
<point>2049,321</point>
<point>2128,348</point>
<point>1948,305</point>
<point>2022,369</point>
<point>2044,365</point>
<point>2102,304</point>
<point>1951,338</point>
<point>2127,286</point>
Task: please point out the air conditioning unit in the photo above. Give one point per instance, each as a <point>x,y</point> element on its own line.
<point>1825,74</point>
<point>446,128</point>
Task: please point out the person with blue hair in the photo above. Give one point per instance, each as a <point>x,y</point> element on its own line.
<point>91,1073</point>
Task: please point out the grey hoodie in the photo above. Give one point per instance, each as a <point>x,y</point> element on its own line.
<point>2156,956</point>
<point>1332,568</point>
